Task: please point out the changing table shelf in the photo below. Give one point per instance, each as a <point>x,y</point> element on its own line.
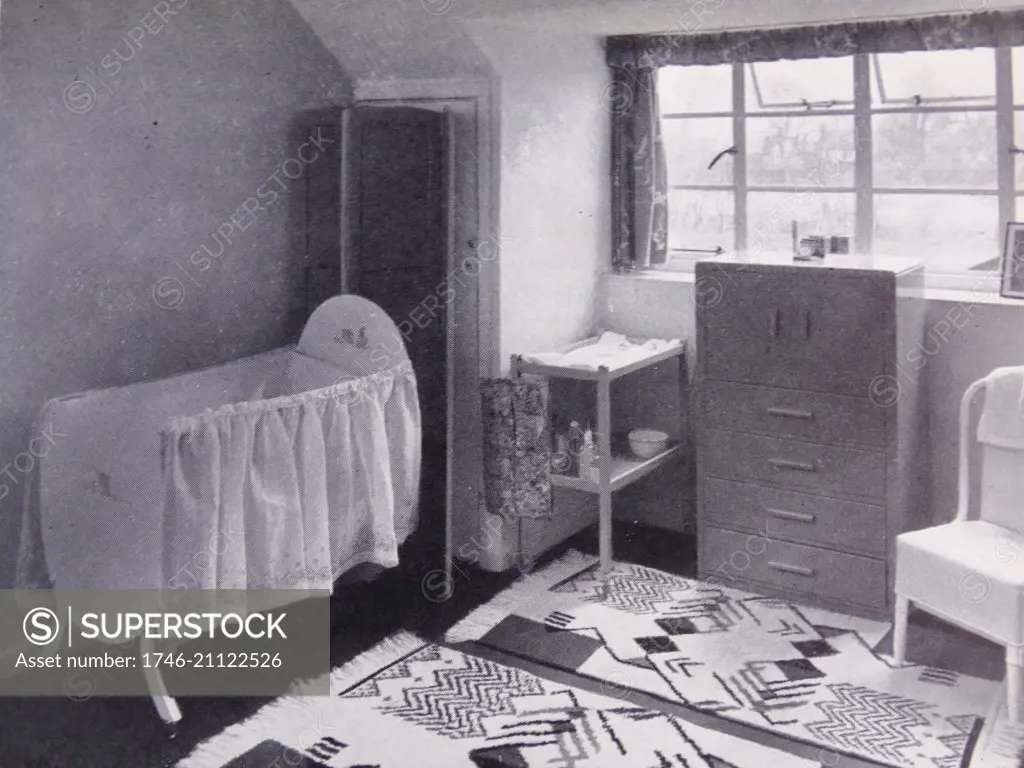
<point>615,470</point>
<point>625,470</point>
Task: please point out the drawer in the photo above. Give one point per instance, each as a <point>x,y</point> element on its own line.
<point>727,555</point>
<point>808,416</point>
<point>831,470</point>
<point>837,523</point>
<point>796,327</point>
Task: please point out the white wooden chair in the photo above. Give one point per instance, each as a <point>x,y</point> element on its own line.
<point>971,572</point>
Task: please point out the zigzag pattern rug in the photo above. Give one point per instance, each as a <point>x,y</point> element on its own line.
<point>809,674</point>
<point>408,704</point>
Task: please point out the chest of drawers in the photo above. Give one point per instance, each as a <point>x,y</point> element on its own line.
<point>811,449</point>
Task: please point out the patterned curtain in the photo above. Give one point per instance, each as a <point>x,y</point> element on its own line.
<point>639,176</point>
<point>961,30</point>
<point>517,447</point>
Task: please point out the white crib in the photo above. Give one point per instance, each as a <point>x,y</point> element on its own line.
<point>280,471</point>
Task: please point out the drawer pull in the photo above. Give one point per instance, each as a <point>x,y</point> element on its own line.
<point>785,514</point>
<point>787,568</point>
<point>773,322</point>
<point>790,413</point>
<point>802,466</point>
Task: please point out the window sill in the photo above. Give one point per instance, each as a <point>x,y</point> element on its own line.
<point>965,296</point>
<point>970,298</point>
<point>655,275</point>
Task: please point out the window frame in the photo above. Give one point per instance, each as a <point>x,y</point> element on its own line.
<point>863,110</point>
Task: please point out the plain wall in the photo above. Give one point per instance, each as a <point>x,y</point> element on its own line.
<point>555,195</point>
<point>109,186</point>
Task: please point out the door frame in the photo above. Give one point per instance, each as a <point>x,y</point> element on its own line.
<point>482,94</point>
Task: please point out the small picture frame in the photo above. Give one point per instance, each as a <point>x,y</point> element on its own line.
<point>1012,284</point>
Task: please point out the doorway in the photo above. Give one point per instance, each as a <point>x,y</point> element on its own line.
<point>445,304</point>
<point>397,213</point>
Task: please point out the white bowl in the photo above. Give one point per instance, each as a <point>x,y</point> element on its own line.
<point>647,443</point>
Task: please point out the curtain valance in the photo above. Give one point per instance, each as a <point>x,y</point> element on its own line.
<point>963,30</point>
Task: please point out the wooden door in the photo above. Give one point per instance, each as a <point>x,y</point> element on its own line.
<point>321,218</point>
<point>395,251</point>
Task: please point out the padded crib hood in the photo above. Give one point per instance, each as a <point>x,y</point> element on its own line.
<point>278,471</point>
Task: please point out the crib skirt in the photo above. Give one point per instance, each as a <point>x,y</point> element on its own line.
<point>291,493</point>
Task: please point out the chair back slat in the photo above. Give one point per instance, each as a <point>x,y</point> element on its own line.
<point>1002,487</point>
<point>1000,438</point>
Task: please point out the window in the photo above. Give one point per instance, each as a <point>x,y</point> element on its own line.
<point>910,153</point>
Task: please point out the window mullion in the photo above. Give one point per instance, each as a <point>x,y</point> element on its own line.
<point>739,133</point>
<point>1005,159</point>
<point>863,158</point>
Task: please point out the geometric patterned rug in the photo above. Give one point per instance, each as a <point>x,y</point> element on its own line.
<point>808,674</point>
<point>412,704</point>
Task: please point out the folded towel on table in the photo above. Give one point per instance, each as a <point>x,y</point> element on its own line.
<point>612,350</point>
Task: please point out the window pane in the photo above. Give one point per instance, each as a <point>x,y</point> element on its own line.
<point>800,151</point>
<point>690,146</point>
<point>695,89</point>
<point>1018,140</point>
<point>701,219</point>
<point>788,84</point>
<point>938,149</point>
<point>949,232</point>
<point>934,76</point>
<point>817,213</point>
<point>1018,76</point>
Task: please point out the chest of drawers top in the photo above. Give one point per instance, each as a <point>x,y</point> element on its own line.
<point>865,263</point>
<point>827,326</point>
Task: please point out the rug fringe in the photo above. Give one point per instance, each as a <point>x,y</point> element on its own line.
<point>338,680</point>
<point>386,652</point>
<point>479,622</point>
<point>294,710</point>
<point>999,745</point>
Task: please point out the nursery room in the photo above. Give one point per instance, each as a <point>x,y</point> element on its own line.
<point>499,383</point>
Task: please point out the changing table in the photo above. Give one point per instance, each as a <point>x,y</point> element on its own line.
<point>615,471</point>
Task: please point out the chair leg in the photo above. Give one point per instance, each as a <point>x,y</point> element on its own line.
<point>1015,683</point>
<point>899,630</point>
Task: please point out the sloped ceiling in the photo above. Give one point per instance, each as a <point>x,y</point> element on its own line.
<point>381,39</point>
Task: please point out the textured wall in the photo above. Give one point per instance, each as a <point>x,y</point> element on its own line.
<point>555,194</point>
<point>182,112</point>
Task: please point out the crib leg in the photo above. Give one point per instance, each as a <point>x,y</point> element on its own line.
<point>165,705</point>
